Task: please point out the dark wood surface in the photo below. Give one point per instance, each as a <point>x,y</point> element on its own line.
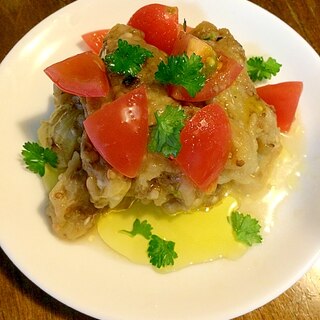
<point>21,299</point>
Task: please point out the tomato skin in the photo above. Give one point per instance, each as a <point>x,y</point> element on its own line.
<point>228,69</point>
<point>284,97</point>
<point>83,75</point>
<point>220,80</point>
<point>206,143</point>
<point>119,131</point>
<point>159,24</point>
<point>188,43</point>
<point>94,39</point>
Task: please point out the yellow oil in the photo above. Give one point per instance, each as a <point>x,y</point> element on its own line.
<point>199,236</point>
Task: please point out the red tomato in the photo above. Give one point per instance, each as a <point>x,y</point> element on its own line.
<point>159,24</point>
<point>227,71</point>
<point>219,81</point>
<point>83,75</point>
<point>119,131</point>
<point>188,43</point>
<point>94,39</point>
<point>284,97</point>
<point>206,143</point>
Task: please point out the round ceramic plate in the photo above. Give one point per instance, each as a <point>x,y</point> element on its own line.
<point>94,280</point>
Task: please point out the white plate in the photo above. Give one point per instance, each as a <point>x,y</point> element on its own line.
<point>99,282</point>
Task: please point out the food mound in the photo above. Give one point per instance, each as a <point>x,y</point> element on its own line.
<point>228,135</point>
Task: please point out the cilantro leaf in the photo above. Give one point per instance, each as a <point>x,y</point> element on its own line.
<point>161,252</point>
<point>184,71</point>
<point>246,228</point>
<point>165,136</point>
<point>127,59</point>
<point>259,69</point>
<point>143,228</point>
<point>36,157</point>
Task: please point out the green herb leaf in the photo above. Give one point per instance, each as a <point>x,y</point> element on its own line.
<point>143,228</point>
<point>246,228</point>
<point>127,59</point>
<point>259,69</point>
<point>184,71</point>
<point>36,157</point>
<point>165,135</point>
<point>161,252</point>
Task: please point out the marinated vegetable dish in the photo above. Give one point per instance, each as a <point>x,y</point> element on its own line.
<point>159,113</point>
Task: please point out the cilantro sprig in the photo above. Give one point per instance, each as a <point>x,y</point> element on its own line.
<point>246,229</point>
<point>161,252</point>
<point>184,71</point>
<point>165,135</point>
<point>260,69</point>
<point>127,59</point>
<point>36,157</point>
<point>143,228</point>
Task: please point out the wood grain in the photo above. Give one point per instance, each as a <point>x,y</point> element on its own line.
<point>21,299</point>
<point>302,15</point>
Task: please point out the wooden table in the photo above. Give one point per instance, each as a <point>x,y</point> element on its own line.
<point>21,299</point>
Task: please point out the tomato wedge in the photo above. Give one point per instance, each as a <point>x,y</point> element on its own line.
<point>206,143</point>
<point>119,131</point>
<point>284,97</point>
<point>189,44</point>
<point>222,78</point>
<point>94,39</point>
<point>83,75</point>
<point>159,24</point>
